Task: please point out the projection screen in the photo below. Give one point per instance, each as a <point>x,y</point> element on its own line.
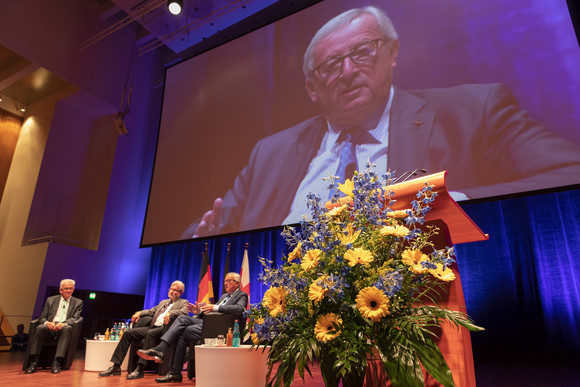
<point>486,89</point>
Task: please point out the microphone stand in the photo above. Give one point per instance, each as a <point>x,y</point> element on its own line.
<point>407,175</point>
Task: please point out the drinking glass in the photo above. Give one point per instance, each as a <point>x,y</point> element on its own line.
<point>221,340</point>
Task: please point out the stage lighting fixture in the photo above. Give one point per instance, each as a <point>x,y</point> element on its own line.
<point>175,6</point>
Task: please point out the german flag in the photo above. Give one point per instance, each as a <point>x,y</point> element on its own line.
<point>205,289</point>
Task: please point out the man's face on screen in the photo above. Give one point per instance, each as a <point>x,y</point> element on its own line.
<point>348,91</point>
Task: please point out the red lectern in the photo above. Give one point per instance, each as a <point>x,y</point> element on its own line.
<point>454,227</point>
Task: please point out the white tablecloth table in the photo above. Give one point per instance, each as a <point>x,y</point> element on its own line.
<point>98,355</point>
<point>224,366</point>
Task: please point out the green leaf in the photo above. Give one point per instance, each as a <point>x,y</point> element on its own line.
<point>434,362</point>
<point>403,373</point>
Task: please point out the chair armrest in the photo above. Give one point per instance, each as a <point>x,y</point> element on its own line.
<point>216,323</point>
<point>78,324</point>
<point>143,321</point>
<point>32,328</point>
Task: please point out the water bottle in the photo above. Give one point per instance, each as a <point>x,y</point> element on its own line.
<point>122,330</point>
<point>236,340</point>
<point>115,332</point>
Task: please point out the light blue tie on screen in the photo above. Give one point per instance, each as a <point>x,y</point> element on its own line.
<point>347,165</point>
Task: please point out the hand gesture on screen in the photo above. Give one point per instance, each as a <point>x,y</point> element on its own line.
<point>210,222</point>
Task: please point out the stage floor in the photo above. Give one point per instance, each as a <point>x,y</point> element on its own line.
<point>487,375</point>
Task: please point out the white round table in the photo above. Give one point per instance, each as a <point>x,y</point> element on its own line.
<point>222,366</point>
<point>98,355</point>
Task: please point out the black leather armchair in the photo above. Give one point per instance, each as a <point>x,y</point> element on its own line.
<point>214,324</point>
<point>46,355</point>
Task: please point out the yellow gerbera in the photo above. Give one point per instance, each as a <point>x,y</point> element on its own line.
<point>347,187</point>
<point>446,275</point>
<point>316,292</point>
<point>358,255</point>
<point>414,258</point>
<point>255,339</point>
<point>336,211</point>
<point>372,303</point>
<point>324,328</point>
<point>398,230</point>
<point>296,253</point>
<point>275,300</point>
<point>350,236</point>
<point>310,259</point>
<point>397,214</point>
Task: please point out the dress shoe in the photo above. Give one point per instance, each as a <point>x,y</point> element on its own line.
<point>32,368</point>
<point>169,378</point>
<point>137,374</point>
<point>55,369</point>
<point>151,354</point>
<point>113,370</point>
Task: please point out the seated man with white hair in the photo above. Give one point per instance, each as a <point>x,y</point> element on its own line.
<point>58,315</point>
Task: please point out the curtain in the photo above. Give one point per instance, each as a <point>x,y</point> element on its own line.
<point>522,285</point>
<point>183,262</point>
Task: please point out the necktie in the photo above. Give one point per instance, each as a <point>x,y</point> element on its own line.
<point>63,312</point>
<point>225,300</point>
<point>159,313</point>
<point>347,164</point>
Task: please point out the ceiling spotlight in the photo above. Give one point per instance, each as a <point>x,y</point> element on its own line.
<point>23,109</point>
<point>175,6</point>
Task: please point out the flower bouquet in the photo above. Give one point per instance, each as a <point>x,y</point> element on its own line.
<point>362,281</point>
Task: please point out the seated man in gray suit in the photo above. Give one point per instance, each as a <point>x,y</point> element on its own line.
<point>187,329</point>
<point>162,314</point>
<point>58,315</point>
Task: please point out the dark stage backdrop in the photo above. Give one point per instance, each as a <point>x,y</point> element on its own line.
<point>523,285</point>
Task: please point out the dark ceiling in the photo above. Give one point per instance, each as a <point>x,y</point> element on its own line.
<point>24,83</point>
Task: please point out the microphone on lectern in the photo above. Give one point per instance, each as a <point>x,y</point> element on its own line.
<point>407,175</point>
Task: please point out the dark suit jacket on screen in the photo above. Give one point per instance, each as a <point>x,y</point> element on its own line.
<point>476,132</point>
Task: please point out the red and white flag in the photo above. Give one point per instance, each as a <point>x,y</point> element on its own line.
<point>245,285</point>
<point>245,274</point>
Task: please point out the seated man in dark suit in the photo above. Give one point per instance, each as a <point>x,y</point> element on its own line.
<point>162,314</point>
<point>187,329</point>
<point>58,315</point>
<point>19,340</point>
